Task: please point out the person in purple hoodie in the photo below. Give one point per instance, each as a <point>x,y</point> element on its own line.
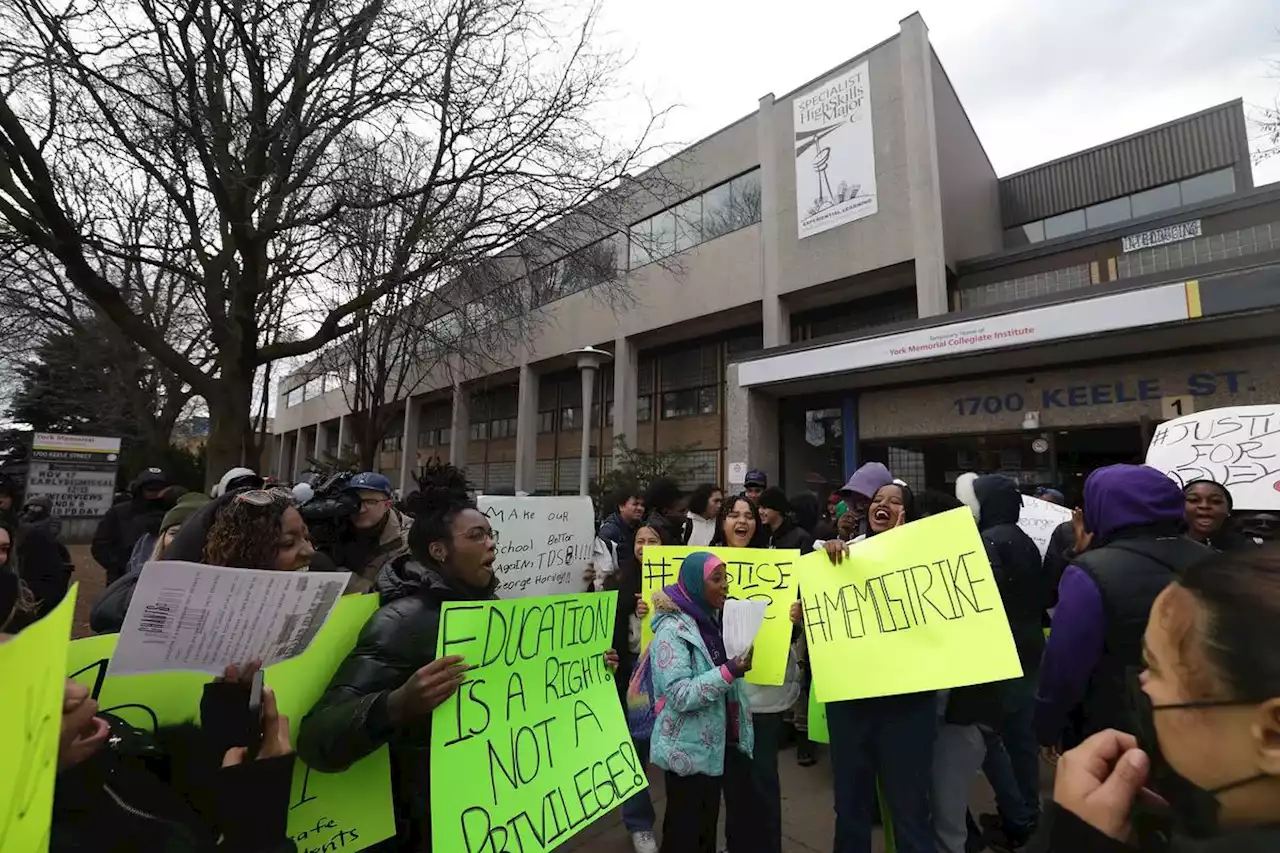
<point>862,486</point>
<point>1129,549</point>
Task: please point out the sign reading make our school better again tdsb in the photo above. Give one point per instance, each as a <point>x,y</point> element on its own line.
<point>533,746</point>
<point>835,153</point>
<point>912,609</point>
<point>543,543</point>
<point>76,472</point>
<point>1237,446</point>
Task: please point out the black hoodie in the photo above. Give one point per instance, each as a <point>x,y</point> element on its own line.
<point>351,719</point>
<point>126,523</point>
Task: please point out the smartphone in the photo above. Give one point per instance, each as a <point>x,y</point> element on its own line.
<point>255,717</point>
<point>231,714</point>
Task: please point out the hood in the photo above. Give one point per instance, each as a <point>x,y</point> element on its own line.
<point>999,500</point>
<point>664,608</point>
<point>395,528</point>
<point>405,576</point>
<point>868,479</point>
<point>149,477</point>
<point>188,545</point>
<point>1121,496</point>
<point>966,494</point>
<point>44,502</point>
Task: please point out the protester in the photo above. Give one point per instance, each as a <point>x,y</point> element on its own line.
<point>638,814</point>
<point>107,616</point>
<point>759,827</point>
<point>779,530</point>
<point>668,505</point>
<point>385,690</point>
<point>42,562</point>
<point>626,510</point>
<point>120,789</point>
<point>9,493</point>
<point>1051,495</point>
<point>1207,715</point>
<point>237,480</point>
<point>858,490</point>
<point>703,734</point>
<point>376,535</point>
<point>126,523</point>
<point>704,507</point>
<point>16,601</point>
<point>807,513</point>
<point>888,738</point>
<point>1208,517</point>
<point>757,481</point>
<point>146,544</point>
<point>1129,548</point>
<point>1012,763</point>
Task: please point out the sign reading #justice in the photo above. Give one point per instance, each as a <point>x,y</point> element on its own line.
<point>533,746</point>
<point>912,609</point>
<point>1236,446</point>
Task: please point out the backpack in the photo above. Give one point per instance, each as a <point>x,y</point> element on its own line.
<point>641,709</point>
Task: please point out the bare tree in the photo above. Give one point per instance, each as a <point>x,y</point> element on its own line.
<point>244,119</point>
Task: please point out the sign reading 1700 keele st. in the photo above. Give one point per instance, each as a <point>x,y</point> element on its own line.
<point>76,472</point>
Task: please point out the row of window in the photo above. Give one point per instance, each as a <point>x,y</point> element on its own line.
<point>1167,197</point>
<point>311,389</point>
<point>732,205</point>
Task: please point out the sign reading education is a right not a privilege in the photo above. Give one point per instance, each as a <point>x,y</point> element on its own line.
<point>909,610</point>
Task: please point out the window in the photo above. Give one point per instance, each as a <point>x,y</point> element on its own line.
<point>688,403</point>
<point>721,209</point>
<point>479,430</point>
<point>502,428</point>
<point>690,381</point>
<point>644,389</point>
<point>603,397</point>
<point>570,401</point>
<point>641,241</point>
<point>1211,185</point>
<point>391,444</point>
<point>1063,224</point>
<point>1108,213</point>
<point>716,216</point>
<point>664,235</point>
<point>434,428</point>
<point>688,224</point>
<point>644,409</point>
<point>744,200</point>
<point>294,397</point>
<point>1024,235</point>
<point>1155,200</point>
<point>546,422</point>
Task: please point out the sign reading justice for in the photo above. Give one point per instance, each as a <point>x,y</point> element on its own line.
<point>912,609</point>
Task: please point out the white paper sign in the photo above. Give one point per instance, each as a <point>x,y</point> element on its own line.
<point>835,153</point>
<point>187,616</point>
<point>741,621</point>
<point>737,473</point>
<point>1039,519</point>
<point>544,543</point>
<point>1237,446</point>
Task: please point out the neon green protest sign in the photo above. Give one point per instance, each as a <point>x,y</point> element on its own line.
<point>533,746</point>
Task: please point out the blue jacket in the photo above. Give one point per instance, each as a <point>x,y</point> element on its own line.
<point>692,696</point>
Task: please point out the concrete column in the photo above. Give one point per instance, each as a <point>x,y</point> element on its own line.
<point>625,363</point>
<point>280,457</point>
<point>751,421</point>
<point>322,440</point>
<point>527,431</point>
<point>773,315</point>
<point>460,426</point>
<point>342,435</point>
<point>409,445</point>
<point>297,455</point>
<point>922,167</point>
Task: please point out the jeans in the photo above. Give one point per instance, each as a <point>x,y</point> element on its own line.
<point>890,738</point>
<point>1012,765</point>
<point>757,826</point>
<point>637,810</point>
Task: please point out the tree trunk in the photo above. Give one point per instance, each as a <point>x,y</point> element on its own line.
<point>230,435</point>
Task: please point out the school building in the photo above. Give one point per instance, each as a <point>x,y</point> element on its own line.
<point>841,276</point>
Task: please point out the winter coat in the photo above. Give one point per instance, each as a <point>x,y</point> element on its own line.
<point>690,732</point>
<point>366,559</point>
<point>167,793</point>
<point>43,564</point>
<point>617,531</point>
<point>1059,554</point>
<point>121,528</point>
<point>351,720</point>
<point>789,536</point>
<point>670,532</point>
<point>1070,834</point>
<point>701,530</point>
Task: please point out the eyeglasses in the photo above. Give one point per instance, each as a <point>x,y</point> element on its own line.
<point>255,497</point>
<point>372,502</point>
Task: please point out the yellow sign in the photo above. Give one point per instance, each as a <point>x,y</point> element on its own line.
<point>912,609</point>
<point>346,811</point>
<point>31,718</point>
<point>534,746</point>
<point>758,574</point>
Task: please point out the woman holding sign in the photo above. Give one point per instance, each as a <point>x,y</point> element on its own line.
<point>888,739</point>
<point>702,736</point>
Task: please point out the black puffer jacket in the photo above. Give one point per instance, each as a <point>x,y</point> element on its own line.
<point>789,535</point>
<point>1015,560</point>
<point>122,526</point>
<point>351,719</point>
<point>1069,834</point>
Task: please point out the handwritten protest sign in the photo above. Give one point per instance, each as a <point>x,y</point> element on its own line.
<point>31,717</point>
<point>912,609</point>
<point>1237,446</point>
<point>818,731</point>
<point>533,746</point>
<point>1039,519</point>
<point>755,574</point>
<point>544,543</point>
<point>347,811</point>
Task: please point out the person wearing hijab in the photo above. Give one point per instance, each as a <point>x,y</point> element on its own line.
<point>1208,517</point>
<point>887,738</point>
<point>702,734</point>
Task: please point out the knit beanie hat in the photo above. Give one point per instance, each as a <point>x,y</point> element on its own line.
<point>183,509</point>
<point>775,499</point>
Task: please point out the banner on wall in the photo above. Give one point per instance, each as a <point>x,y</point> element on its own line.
<point>533,746</point>
<point>1237,446</point>
<point>910,610</point>
<point>835,153</point>
<point>755,574</point>
<point>544,543</point>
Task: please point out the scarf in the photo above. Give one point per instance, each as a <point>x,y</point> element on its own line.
<point>688,593</point>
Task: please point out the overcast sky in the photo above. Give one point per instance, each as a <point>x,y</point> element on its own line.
<point>1038,79</point>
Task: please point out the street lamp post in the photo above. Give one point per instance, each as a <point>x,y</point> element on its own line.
<point>589,361</point>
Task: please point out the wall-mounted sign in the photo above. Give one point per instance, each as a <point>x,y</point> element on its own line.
<point>76,472</point>
<point>1160,236</point>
